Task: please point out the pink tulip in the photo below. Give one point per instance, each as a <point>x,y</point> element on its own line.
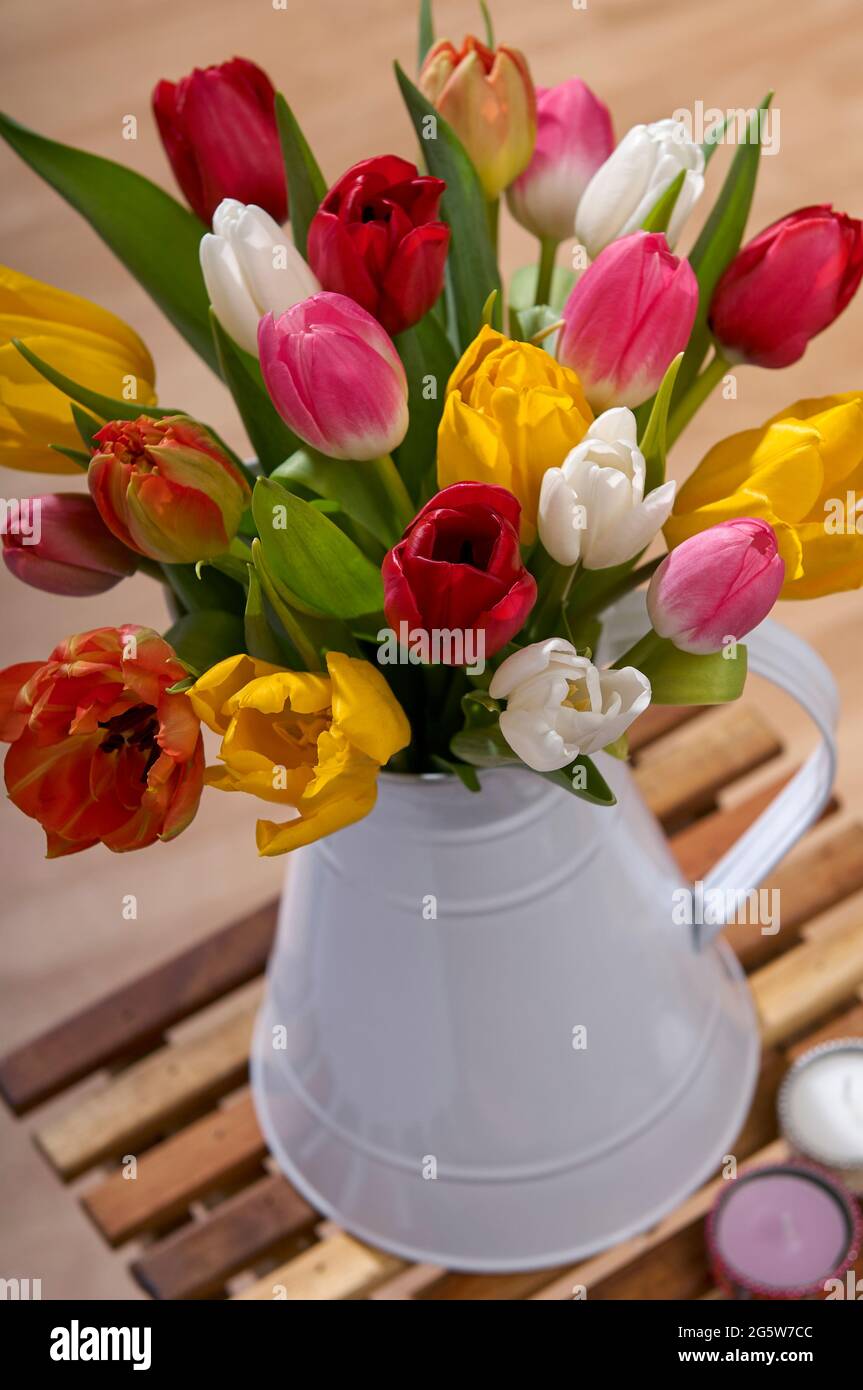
<point>717,585</point>
<point>627,318</point>
<point>574,137</point>
<point>786,285</point>
<point>66,548</point>
<point>335,378</point>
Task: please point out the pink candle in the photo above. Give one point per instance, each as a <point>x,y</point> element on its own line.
<point>781,1232</point>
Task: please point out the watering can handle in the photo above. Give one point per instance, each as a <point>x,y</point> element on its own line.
<point>790,663</point>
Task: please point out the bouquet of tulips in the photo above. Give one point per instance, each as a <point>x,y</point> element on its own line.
<point>455,478</point>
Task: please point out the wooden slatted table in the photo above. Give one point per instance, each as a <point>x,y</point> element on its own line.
<point>153,1078</point>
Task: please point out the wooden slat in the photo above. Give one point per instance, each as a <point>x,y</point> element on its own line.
<point>796,990</point>
<point>761,1123</point>
<point>201,1157</point>
<point>682,778</point>
<point>197,1261</point>
<point>848,1024</point>
<point>336,1268</point>
<point>138,1013</point>
<point>813,879</point>
<point>133,1108</point>
<point>658,721</point>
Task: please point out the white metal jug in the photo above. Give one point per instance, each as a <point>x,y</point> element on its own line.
<point>485,1042</point>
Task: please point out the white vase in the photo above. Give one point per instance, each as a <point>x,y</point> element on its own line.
<point>486,1043</point>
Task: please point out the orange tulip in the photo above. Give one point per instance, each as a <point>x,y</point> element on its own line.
<point>488,98</point>
<point>100,752</point>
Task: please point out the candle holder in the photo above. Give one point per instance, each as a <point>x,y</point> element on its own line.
<point>821,1108</point>
<point>781,1231</point>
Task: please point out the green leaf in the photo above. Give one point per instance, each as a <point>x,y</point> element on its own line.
<point>324,571</point>
<point>356,487</point>
<point>584,780</point>
<point>533,320</point>
<point>471,262</point>
<point>270,437</point>
<point>429,361</point>
<point>522,287</point>
<point>719,242</point>
<point>105,406</point>
<point>310,637</point>
<point>87,424</point>
<point>74,455</point>
<point>204,638</point>
<point>653,441</point>
<point>209,591</point>
<point>681,678</point>
<point>481,743</point>
<point>712,138</point>
<point>426,32</point>
<point>154,236</point>
<point>260,639</point>
<point>466,774</point>
<point>658,218</point>
<point>487,22</point>
<point>306,183</point>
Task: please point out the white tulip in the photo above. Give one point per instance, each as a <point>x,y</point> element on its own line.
<point>625,188</point>
<point>593,507</point>
<point>251,268</point>
<point>560,705</point>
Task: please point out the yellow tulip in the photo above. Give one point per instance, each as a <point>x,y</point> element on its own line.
<point>803,473</point>
<point>510,413</point>
<point>305,740</point>
<point>79,339</point>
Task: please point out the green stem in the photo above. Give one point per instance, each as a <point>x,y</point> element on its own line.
<point>643,648</point>
<point>696,396</point>
<point>623,586</point>
<point>404,508</point>
<point>289,620</point>
<point>547,255</point>
<point>552,598</point>
<point>492,212</point>
<point>150,567</point>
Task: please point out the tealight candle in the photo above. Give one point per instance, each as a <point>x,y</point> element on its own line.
<point>781,1232</point>
<point>821,1108</point>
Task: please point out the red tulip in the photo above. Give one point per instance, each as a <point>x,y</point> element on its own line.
<point>376,239</point>
<point>99,750</point>
<point>218,126</point>
<point>73,553</point>
<point>787,285</point>
<point>458,567</point>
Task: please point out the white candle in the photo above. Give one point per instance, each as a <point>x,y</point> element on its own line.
<point>821,1107</point>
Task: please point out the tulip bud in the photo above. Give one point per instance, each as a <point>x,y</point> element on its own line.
<point>560,706</point>
<point>71,551</point>
<point>630,183</point>
<point>335,377</point>
<point>717,585</point>
<point>218,127</point>
<point>488,99</point>
<point>787,285</point>
<point>627,318</point>
<point>593,507</point>
<point>166,489</point>
<point>573,138</point>
<point>377,239</point>
<point>251,268</point>
<point>458,567</point>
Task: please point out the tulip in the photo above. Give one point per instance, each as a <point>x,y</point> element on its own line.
<point>629,184</point>
<point>79,339</point>
<point>377,239</point>
<point>716,586</point>
<point>100,751</point>
<point>251,268</point>
<point>73,552</point>
<point>574,137</point>
<point>310,742</point>
<point>510,413</point>
<point>488,99</point>
<point>787,285</point>
<point>802,473</point>
<point>593,508</point>
<point>627,318</point>
<point>335,377</point>
<point>166,489</point>
<point>458,567</point>
<point>560,706</point>
<point>218,127</point>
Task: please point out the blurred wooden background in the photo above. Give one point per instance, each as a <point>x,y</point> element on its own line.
<point>73,70</point>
